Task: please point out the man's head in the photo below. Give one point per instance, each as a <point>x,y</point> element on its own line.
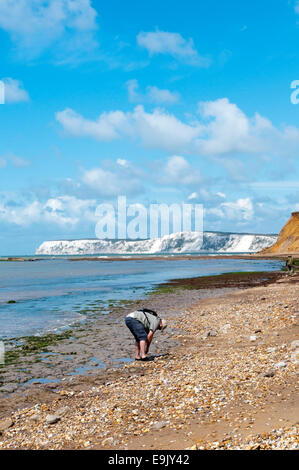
<point>163,324</point>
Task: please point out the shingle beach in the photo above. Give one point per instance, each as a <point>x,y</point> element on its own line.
<point>224,375</point>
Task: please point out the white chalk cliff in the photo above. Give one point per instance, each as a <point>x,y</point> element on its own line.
<point>182,242</point>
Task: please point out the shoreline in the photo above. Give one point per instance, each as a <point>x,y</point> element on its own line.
<point>173,355</point>
<point>161,256</point>
<point>84,348</point>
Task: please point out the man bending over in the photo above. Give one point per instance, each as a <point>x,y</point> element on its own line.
<point>143,325</point>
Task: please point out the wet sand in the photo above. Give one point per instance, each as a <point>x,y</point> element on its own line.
<point>166,257</point>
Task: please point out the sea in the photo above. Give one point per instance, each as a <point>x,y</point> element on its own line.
<point>50,294</point>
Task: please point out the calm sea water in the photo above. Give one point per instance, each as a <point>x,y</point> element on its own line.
<point>51,294</point>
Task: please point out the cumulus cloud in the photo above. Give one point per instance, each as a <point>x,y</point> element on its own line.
<point>158,129</point>
<point>152,94</point>
<point>241,210</point>
<point>64,211</point>
<point>122,179</point>
<point>221,129</point>
<point>178,171</point>
<point>227,129</point>
<point>107,127</point>
<point>35,25</point>
<point>14,91</point>
<point>163,42</point>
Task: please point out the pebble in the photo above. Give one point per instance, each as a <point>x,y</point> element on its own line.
<point>109,441</point>
<point>62,411</point>
<point>210,333</point>
<point>159,425</point>
<point>269,373</point>
<point>35,418</point>
<point>52,419</point>
<point>271,350</point>
<point>280,365</point>
<point>6,424</point>
<point>225,328</point>
<point>295,344</point>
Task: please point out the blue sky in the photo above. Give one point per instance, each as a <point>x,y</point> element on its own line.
<point>166,102</point>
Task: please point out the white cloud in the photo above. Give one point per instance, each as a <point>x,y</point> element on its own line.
<point>162,130</point>
<point>35,25</point>
<point>296,7</point>
<point>14,91</point>
<point>156,130</point>
<point>163,42</point>
<point>241,210</point>
<point>152,94</point>
<point>107,127</point>
<point>222,129</point>
<point>178,171</point>
<point>64,211</point>
<point>228,129</point>
<point>132,86</point>
<point>157,95</point>
<point>193,196</point>
<point>124,179</point>
<point>122,162</point>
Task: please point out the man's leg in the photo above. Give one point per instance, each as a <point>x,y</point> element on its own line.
<point>137,346</point>
<point>143,348</point>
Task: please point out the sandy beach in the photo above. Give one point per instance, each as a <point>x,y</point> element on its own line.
<point>223,375</point>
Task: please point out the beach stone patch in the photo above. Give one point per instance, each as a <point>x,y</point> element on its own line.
<point>269,373</point>
<point>9,388</point>
<point>280,365</point>
<point>271,350</point>
<point>52,419</point>
<point>295,344</point>
<point>217,384</point>
<point>225,328</point>
<point>109,441</point>
<point>210,333</point>
<point>159,425</point>
<point>62,411</point>
<point>6,424</point>
<point>295,357</point>
<point>35,418</point>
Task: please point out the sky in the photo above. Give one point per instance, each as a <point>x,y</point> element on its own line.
<point>168,102</point>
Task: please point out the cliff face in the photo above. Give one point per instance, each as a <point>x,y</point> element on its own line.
<point>182,242</point>
<point>288,238</point>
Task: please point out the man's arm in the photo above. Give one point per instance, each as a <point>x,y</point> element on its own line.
<point>149,339</point>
